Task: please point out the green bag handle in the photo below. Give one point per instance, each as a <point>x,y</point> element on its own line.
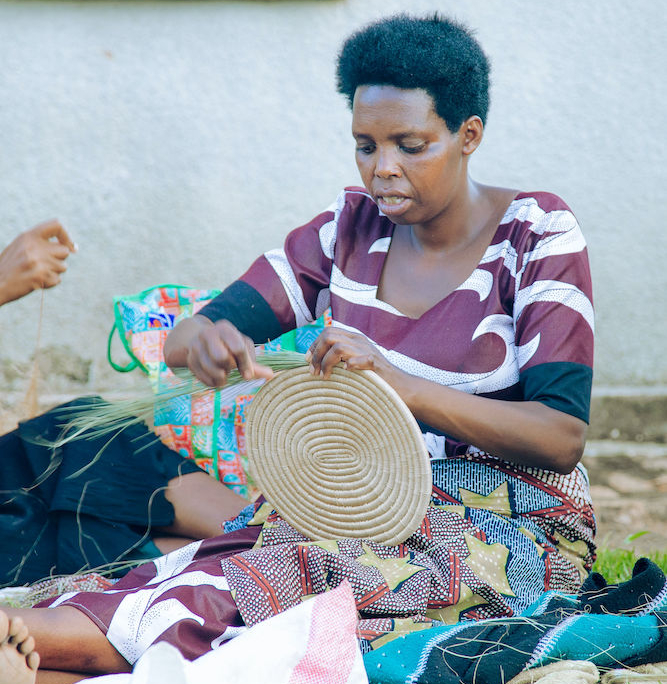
<point>133,363</point>
<point>214,441</point>
<point>116,327</point>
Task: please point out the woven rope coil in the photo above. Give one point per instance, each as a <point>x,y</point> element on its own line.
<point>339,458</point>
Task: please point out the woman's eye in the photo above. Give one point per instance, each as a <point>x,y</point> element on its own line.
<point>366,149</point>
<point>412,149</point>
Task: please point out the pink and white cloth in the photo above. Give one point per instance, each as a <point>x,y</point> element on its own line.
<point>313,643</point>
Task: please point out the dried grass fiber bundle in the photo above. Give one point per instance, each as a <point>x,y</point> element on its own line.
<point>105,418</point>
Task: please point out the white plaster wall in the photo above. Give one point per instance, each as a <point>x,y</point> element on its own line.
<point>177,140</point>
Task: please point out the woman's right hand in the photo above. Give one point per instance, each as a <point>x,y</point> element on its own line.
<point>211,350</point>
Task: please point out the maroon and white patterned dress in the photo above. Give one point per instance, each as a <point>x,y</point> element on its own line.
<point>497,535</point>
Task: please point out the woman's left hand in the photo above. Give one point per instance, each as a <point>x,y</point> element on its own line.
<point>356,351</point>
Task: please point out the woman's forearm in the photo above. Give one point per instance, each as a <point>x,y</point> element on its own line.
<point>525,432</point>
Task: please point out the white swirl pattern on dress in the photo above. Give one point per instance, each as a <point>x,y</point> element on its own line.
<point>172,563</point>
<point>380,245</point>
<point>480,281</point>
<point>527,210</point>
<point>555,291</point>
<point>278,260</point>
<point>505,375</point>
<point>357,293</point>
<point>136,623</point>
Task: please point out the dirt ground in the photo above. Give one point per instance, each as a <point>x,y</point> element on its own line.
<point>626,457</point>
<point>629,489</point>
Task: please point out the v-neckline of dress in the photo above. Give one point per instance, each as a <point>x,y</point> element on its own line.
<point>441,302</point>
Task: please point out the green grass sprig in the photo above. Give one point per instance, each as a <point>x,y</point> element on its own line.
<point>616,565</point>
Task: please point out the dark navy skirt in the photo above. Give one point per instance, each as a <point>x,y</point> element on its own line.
<point>88,505</point>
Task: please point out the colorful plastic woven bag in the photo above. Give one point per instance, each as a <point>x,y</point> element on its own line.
<point>202,428</point>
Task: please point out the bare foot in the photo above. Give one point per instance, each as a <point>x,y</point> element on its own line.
<point>18,659</point>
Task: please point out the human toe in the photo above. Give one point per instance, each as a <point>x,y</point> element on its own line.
<point>32,659</point>
<point>18,630</point>
<point>26,646</point>
<point>4,627</point>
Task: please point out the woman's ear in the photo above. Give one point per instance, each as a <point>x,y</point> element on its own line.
<point>472,132</point>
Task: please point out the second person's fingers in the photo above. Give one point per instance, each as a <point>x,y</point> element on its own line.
<point>53,228</point>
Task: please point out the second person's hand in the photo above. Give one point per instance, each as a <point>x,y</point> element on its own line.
<point>34,259</point>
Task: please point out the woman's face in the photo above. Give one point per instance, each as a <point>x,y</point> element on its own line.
<point>410,162</point>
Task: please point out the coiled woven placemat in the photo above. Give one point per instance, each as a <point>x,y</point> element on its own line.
<point>337,458</point>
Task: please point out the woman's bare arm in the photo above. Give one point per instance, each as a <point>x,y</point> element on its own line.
<point>525,432</point>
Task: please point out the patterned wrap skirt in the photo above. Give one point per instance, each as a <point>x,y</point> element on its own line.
<point>495,538</point>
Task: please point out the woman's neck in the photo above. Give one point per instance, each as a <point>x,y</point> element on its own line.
<point>472,216</point>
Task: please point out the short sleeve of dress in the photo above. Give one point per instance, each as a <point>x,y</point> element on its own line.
<point>553,311</point>
<point>284,288</point>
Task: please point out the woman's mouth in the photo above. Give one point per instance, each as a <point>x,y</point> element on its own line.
<point>391,204</point>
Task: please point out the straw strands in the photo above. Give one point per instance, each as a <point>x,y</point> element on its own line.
<point>102,418</point>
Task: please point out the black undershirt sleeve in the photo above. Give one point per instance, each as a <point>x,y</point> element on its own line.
<point>245,308</point>
<point>561,385</point>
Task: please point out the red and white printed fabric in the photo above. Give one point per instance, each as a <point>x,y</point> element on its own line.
<point>313,643</point>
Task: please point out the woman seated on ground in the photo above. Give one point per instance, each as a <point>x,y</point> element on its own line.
<point>473,302</point>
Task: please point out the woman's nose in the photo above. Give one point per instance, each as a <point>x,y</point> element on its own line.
<point>386,164</point>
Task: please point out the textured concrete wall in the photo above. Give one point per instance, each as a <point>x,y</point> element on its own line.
<point>176,140</point>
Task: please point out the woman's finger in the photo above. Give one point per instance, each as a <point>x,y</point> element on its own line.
<point>258,370</point>
<point>360,361</point>
<point>334,346</point>
<point>336,353</point>
<point>209,358</point>
<point>329,360</point>
<point>239,348</point>
<point>221,348</point>
<point>319,348</point>
<point>261,371</point>
<point>204,370</point>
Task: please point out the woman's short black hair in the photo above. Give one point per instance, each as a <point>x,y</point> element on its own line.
<point>433,53</point>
